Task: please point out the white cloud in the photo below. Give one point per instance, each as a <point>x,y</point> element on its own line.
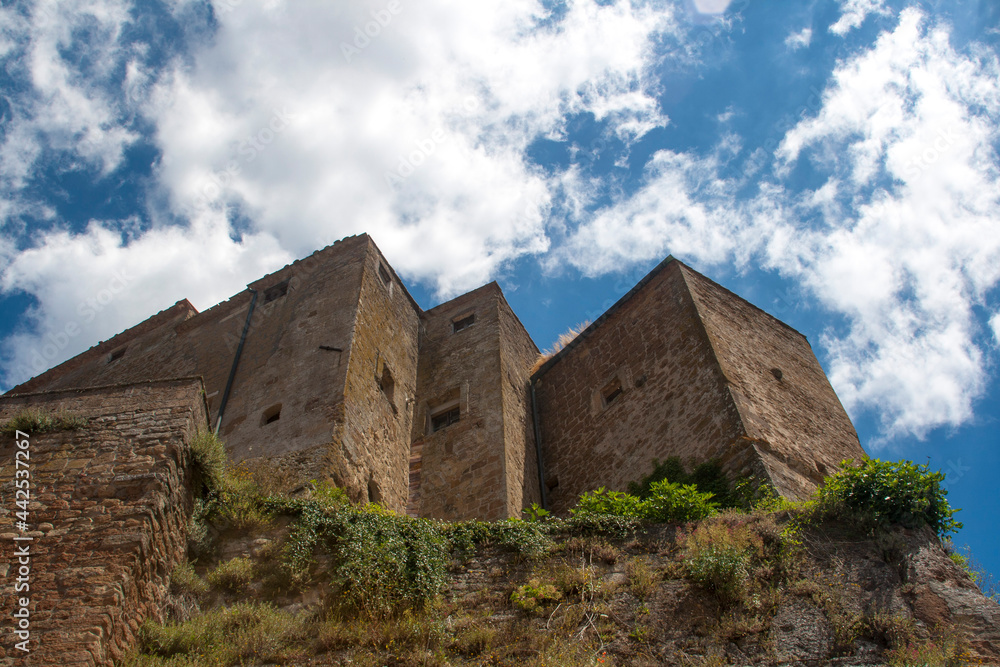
<point>854,14</point>
<point>902,239</point>
<point>995,325</point>
<point>67,50</point>
<point>311,121</point>
<point>442,101</point>
<point>799,40</point>
<point>91,286</point>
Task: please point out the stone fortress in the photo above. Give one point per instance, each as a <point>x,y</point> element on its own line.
<point>328,368</point>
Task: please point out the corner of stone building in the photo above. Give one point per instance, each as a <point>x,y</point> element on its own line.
<point>112,504</point>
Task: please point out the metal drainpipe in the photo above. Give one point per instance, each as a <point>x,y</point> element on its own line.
<point>538,445</point>
<point>236,361</point>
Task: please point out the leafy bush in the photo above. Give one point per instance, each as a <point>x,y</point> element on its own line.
<point>708,477</point>
<point>667,501</point>
<point>612,503</point>
<point>33,420</point>
<point>882,493</point>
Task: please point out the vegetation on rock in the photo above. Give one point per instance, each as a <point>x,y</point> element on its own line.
<point>661,579</point>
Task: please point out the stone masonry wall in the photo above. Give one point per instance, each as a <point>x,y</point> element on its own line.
<point>462,472</point>
<point>517,354</point>
<point>799,427</point>
<point>673,402</point>
<point>381,386</point>
<point>108,518</point>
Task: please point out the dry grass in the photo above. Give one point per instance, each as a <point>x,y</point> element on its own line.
<point>564,339</point>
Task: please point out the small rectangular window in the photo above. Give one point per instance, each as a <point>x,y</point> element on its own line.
<point>464,323</point>
<point>117,354</point>
<point>445,418</point>
<point>383,273</point>
<point>276,291</point>
<point>271,415</point>
<point>612,392</point>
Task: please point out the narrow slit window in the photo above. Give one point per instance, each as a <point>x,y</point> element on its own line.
<point>612,392</point>
<point>445,418</point>
<point>383,273</point>
<point>387,384</point>
<point>276,291</point>
<point>464,323</point>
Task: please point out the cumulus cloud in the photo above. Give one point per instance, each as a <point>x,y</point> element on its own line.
<point>409,121</point>
<point>290,125</point>
<point>900,239</point>
<point>995,325</point>
<point>854,13</point>
<point>92,286</point>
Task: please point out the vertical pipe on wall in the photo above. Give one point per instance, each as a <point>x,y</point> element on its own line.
<point>236,361</point>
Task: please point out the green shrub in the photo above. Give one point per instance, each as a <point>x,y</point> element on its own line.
<point>534,595</point>
<point>209,456</point>
<point>720,557</point>
<point>33,420</point>
<point>708,477</point>
<point>184,580</point>
<point>233,575</point>
<point>612,503</point>
<point>883,493</point>
<point>667,501</point>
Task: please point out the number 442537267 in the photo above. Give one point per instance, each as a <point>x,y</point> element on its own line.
<point>21,459</point>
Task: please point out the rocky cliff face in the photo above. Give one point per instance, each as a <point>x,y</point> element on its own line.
<point>674,595</point>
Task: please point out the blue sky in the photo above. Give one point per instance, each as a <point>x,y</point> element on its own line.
<point>835,162</point>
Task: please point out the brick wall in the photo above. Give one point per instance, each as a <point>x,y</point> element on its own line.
<point>108,517</point>
<point>673,401</point>
<point>788,407</point>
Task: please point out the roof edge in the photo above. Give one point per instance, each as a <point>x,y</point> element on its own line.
<point>604,316</point>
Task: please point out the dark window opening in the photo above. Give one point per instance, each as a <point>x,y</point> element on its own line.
<point>387,384</point>
<point>445,418</point>
<point>271,415</point>
<point>612,392</point>
<point>383,273</point>
<point>276,291</point>
<point>464,323</point>
<point>117,354</point>
<point>374,492</point>
<point>776,372</point>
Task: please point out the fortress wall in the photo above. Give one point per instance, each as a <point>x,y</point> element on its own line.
<point>380,387</point>
<point>672,402</point>
<point>288,393</point>
<point>146,348</point>
<point>517,354</point>
<point>463,464</point>
<point>108,518</point>
<point>802,429</point>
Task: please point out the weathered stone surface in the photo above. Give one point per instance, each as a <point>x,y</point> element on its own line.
<point>696,372</point>
<point>341,375</point>
<point>98,570</point>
